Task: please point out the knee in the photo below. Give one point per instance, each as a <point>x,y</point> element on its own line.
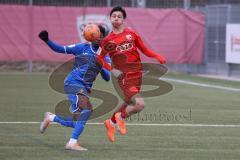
<point>139,106</point>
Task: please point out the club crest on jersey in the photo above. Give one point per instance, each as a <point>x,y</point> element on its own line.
<point>129,37</point>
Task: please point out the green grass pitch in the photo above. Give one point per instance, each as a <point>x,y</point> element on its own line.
<point>25,97</point>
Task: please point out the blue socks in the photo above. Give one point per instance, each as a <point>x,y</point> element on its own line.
<point>67,122</point>
<point>77,125</point>
<point>80,123</point>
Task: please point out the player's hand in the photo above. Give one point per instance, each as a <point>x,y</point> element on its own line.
<point>161,59</point>
<point>116,73</point>
<point>43,35</point>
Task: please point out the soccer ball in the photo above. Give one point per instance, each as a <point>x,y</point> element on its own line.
<point>91,32</point>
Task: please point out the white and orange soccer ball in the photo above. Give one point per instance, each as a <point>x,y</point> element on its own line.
<point>91,32</point>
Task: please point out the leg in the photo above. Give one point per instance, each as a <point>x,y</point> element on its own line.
<point>136,107</point>
<point>81,116</point>
<point>117,109</point>
<point>110,123</point>
<point>75,101</point>
<point>127,111</point>
<point>131,90</point>
<point>67,122</point>
<point>127,89</point>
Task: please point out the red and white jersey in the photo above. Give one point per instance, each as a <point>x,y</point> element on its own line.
<point>126,43</point>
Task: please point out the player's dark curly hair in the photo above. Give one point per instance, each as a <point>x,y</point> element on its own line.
<point>120,9</point>
<point>103,30</point>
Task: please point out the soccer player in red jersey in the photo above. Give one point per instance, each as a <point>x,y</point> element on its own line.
<point>122,44</point>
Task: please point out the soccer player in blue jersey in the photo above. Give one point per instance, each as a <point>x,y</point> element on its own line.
<point>77,85</point>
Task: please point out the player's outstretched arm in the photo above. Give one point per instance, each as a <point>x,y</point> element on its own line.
<point>43,35</point>
<point>148,52</point>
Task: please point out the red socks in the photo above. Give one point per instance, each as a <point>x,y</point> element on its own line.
<point>113,119</point>
<point>124,113</point>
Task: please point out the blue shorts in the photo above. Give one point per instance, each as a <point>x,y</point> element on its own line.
<point>72,91</point>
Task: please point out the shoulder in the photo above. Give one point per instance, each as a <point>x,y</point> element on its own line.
<point>131,34</point>
<point>130,30</point>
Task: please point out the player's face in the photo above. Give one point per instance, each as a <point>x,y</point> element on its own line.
<point>116,19</point>
<point>98,41</point>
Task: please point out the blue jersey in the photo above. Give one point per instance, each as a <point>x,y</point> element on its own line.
<point>85,68</point>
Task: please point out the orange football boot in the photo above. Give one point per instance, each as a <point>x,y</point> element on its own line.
<point>121,123</point>
<point>110,130</point>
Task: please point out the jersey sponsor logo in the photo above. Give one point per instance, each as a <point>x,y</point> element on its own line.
<point>124,46</point>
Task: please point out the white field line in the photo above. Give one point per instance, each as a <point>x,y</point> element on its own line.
<point>148,124</point>
<point>201,84</point>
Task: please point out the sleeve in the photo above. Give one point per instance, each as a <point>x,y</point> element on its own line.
<point>105,74</point>
<point>108,59</point>
<point>148,52</point>
<point>101,53</point>
<point>71,49</point>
